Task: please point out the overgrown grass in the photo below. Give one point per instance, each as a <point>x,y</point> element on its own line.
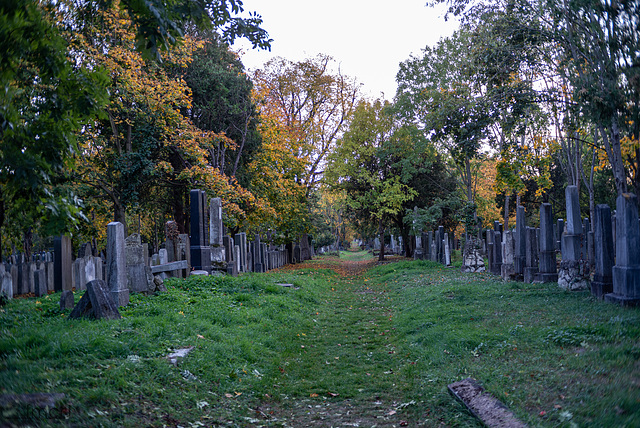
<point>382,345</point>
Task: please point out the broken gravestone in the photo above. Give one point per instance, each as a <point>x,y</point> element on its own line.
<point>96,303</point>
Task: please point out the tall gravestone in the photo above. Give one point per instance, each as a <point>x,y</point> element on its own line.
<point>603,252</point>
<point>490,254</point>
<point>200,250</point>
<point>531,259</point>
<point>548,271</point>
<point>257,260</point>
<point>216,232</point>
<point>139,276</point>
<point>117,264</point>
<point>560,232</point>
<point>229,251</point>
<point>626,272</point>
<point>241,241</point>
<point>508,249</point>
<point>574,269</point>
<point>62,263</point>
<point>519,257</point>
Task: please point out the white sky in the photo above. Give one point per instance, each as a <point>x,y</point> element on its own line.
<point>369,39</point>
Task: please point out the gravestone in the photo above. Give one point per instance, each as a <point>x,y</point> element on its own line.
<point>228,244</point>
<point>216,235</point>
<point>40,283</point>
<point>257,261</point>
<point>519,257</point>
<point>296,253</point>
<point>241,241</point>
<point>447,251</point>
<point>604,252</point>
<point>490,237</point>
<point>440,245</point>
<point>139,276</point>
<point>117,264</point>
<point>432,246</point>
<point>574,269</point>
<point>531,257</point>
<point>548,271</point>
<point>62,263</point>
<point>560,232</point>
<point>6,284</point>
<point>507,269</point>
<point>199,249</point>
<point>67,300</point>
<point>96,303</point>
<point>626,272</point>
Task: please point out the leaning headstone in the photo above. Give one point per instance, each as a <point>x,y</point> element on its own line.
<point>520,252</point>
<point>67,300</point>
<point>117,264</point>
<point>604,252</point>
<point>626,272</point>
<point>62,263</point>
<point>96,303</point>
<point>548,270</point>
<point>200,250</point>
<point>574,269</point>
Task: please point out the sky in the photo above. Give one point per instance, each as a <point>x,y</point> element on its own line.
<point>368,39</point>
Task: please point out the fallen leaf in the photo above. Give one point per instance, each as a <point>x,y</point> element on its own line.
<point>557,406</point>
<point>313,395</point>
<point>228,395</point>
<point>200,336</point>
<point>542,413</point>
<point>331,394</point>
<point>391,413</point>
<point>238,393</point>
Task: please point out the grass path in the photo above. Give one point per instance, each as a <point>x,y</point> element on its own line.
<point>349,371</point>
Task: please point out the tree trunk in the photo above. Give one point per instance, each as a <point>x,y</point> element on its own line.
<point>381,237</point>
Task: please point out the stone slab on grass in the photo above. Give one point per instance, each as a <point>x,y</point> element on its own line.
<point>96,303</point>
<point>483,405</point>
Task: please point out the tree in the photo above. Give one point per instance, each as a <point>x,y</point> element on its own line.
<point>361,168</point>
<point>312,103</point>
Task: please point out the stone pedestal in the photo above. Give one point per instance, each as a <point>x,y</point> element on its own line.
<point>626,272</point>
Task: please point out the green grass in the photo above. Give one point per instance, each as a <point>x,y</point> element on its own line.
<point>380,347</point>
<point>356,256</point>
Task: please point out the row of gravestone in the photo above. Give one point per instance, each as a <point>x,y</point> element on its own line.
<point>605,260</point>
<point>208,250</point>
<point>128,268</point>
<point>434,246</point>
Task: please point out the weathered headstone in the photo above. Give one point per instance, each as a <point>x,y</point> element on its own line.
<point>40,283</point>
<point>6,285</point>
<point>117,264</point>
<point>548,271</point>
<point>229,251</point>
<point>574,269</point>
<point>96,303</point>
<point>67,300</point>
<point>62,263</point>
<point>447,251</point>
<point>626,272</point>
<point>604,252</point>
<point>216,235</point>
<point>139,276</point>
<point>507,269</point>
